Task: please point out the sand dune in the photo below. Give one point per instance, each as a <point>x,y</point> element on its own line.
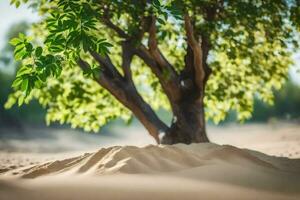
<point>197,171</point>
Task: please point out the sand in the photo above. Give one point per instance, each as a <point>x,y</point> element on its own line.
<point>197,171</point>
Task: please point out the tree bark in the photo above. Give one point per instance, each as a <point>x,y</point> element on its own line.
<point>188,124</point>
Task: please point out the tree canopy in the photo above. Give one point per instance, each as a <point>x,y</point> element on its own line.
<point>247,48</point>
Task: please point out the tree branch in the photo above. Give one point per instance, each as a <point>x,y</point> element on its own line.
<point>195,45</point>
<point>127,55</point>
<point>153,57</point>
<point>155,52</point>
<point>127,95</point>
<point>170,85</point>
<point>83,65</point>
<point>212,13</point>
<point>114,27</point>
<point>106,20</point>
<point>106,63</point>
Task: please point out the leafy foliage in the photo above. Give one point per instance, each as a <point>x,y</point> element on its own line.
<point>250,53</point>
<point>32,113</point>
<point>37,67</point>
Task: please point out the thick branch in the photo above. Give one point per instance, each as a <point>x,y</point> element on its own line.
<point>127,55</point>
<point>212,12</point>
<point>195,45</point>
<point>156,53</point>
<point>152,57</point>
<point>105,62</point>
<point>169,84</point>
<point>83,65</point>
<point>205,51</point>
<point>127,94</point>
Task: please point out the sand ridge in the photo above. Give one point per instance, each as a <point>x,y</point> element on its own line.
<point>160,159</point>
<point>178,172</point>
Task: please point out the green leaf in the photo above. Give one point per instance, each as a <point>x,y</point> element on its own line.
<point>18,3</point>
<point>17,82</point>
<point>42,77</point>
<point>22,36</point>
<point>38,51</point>
<point>24,70</point>
<point>156,3</point>
<point>21,100</point>
<point>15,41</point>
<point>21,55</point>
<point>161,21</point>
<point>24,85</point>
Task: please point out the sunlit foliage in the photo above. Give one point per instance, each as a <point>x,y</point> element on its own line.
<point>250,53</point>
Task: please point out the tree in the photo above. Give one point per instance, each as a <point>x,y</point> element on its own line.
<point>182,55</point>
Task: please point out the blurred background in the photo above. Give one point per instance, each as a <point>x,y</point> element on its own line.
<point>24,130</point>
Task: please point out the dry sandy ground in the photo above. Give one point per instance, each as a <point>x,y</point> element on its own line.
<point>198,171</point>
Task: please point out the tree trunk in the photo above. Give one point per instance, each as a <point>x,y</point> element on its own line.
<point>188,124</point>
